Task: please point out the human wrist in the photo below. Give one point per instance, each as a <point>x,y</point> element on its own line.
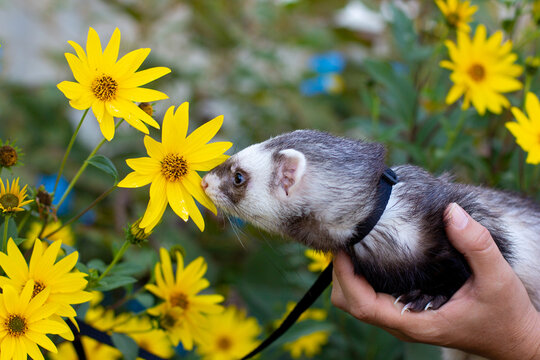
<point>527,345</point>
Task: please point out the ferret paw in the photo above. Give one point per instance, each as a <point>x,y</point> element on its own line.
<point>416,301</point>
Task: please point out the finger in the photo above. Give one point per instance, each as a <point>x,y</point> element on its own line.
<point>337,298</point>
<point>475,242</point>
<point>361,300</point>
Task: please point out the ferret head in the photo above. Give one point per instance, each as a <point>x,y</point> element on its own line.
<point>257,185</point>
<point>309,185</point>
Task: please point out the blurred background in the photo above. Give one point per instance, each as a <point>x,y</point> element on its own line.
<point>364,69</point>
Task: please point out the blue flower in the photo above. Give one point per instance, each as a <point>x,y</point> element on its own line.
<point>48,182</point>
<point>330,62</point>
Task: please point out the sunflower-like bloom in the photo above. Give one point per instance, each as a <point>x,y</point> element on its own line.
<point>140,329</point>
<point>12,199</point>
<point>110,87</point>
<point>310,344</point>
<point>63,286</point>
<point>182,314</point>
<point>319,260</point>
<point>65,234</point>
<point>172,168</point>
<point>458,14</point>
<point>527,130</point>
<point>231,335</point>
<point>482,69</point>
<point>25,321</point>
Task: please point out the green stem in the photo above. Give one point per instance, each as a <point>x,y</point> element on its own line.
<point>454,134</point>
<point>76,217</point>
<point>117,258</point>
<point>82,168</point>
<point>5,239</point>
<point>68,150</point>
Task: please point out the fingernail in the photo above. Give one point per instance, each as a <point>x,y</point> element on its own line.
<point>458,217</point>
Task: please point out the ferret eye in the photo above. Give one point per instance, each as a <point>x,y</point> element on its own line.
<point>238,179</point>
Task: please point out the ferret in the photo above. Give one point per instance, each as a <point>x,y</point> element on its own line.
<point>315,188</point>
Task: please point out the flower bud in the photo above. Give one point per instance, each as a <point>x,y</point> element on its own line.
<point>147,108</point>
<point>135,234</point>
<point>8,156</point>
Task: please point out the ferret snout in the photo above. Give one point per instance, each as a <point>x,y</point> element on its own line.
<point>204,184</point>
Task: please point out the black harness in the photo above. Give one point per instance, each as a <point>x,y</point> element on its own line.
<point>384,189</point>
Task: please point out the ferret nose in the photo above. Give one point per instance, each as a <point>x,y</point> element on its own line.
<point>204,184</point>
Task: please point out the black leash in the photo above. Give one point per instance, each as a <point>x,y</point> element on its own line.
<point>384,189</point>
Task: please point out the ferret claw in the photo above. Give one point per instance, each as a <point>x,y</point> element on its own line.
<point>397,299</point>
<point>406,308</point>
<point>429,305</point>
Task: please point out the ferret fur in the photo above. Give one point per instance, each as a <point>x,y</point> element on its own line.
<point>315,188</point>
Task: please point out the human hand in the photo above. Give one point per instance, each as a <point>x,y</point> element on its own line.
<point>491,315</point>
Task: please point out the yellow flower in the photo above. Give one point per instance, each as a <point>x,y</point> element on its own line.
<point>25,321</point>
<point>63,286</point>
<point>527,130</point>
<point>101,319</point>
<point>12,198</point>
<point>183,311</point>
<point>458,14</point>
<point>310,344</point>
<point>65,234</point>
<point>145,335</point>
<point>482,69</point>
<point>231,335</point>
<point>172,168</point>
<point>320,260</point>
<point>110,87</point>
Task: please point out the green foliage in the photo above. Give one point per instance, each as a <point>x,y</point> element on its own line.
<point>248,59</point>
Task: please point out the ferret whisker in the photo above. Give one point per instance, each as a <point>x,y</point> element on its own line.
<point>236,229</point>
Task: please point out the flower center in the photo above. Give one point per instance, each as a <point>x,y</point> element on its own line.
<point>477,72</point>
<point>104,88</point>
<point>224,343</point>
<point>8,156</point>
<point>167,321</point>
<point>452,18</point>
<point>38,287</point>
<point>16,325</point>
<point>9,201</point>
<point>173,167</point>
<point>180,300</point>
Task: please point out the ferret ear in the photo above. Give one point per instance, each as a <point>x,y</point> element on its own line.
<point>292,169</point>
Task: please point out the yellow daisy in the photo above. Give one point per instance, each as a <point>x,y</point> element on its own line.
<point>101,319</point>
<point>231,335</point>
<point>64,286</point>
<point>527,130</point>
<point>140,328</point>
<point>482,69</point>
<point>310,344</point>
<point>458,14</point>
<point>110,87</point>
<point>172,168</point>
<point>65,234</point>
<point>183,311</point>
<point>319,260</point>
<point>24,320</point>
<point>12,199</point>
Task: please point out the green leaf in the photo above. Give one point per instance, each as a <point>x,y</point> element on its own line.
<point>146,300</point>
<point>127,346</point>
<point>114,282</point>
<point>104,164</point>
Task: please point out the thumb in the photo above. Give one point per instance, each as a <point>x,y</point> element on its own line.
<point>473,240</point>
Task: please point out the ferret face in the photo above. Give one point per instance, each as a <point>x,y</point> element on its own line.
<point>246,186</point>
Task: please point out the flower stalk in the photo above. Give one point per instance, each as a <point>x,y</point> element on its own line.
<point>117,258</point>
<point>68,150</point>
